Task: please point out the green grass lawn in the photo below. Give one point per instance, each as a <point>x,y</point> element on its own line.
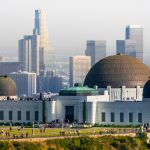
<point>53,132</point>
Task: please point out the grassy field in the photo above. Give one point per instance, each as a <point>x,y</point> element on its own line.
<point>55,132</point>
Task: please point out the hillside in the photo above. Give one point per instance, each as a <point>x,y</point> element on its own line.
<point>80,143</point>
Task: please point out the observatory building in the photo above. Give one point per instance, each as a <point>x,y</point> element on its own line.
<point>116,91</point>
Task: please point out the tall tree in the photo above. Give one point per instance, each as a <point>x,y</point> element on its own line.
<point>84,112</point>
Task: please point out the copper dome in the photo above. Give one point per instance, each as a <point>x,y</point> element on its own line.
<point>117,71</point>
<point>7,86</point>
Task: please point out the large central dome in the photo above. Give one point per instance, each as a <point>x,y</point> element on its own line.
<point>117,71</point>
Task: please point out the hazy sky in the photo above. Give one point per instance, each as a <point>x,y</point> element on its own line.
<point>72,22</point>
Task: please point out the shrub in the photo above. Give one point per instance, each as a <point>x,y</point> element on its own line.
<point>124,147</point>
<point>96,125</point>
<point>142,136</point>
<point>4,145</point>
<point>115,144</point>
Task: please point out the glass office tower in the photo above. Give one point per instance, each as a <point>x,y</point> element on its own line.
<point>135,32</point>
<point>96,49</point>
<point>127,47</point>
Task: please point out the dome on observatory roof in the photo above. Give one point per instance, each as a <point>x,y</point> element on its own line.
<point>146,90</point>
<point>117,71</point>
<point>7,86</point>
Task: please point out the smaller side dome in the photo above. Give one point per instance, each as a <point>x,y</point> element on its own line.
<point>146,89</point>
<point>7,86</point>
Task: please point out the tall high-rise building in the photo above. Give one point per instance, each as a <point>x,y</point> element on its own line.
<point>135,32</point>
<point>25,82</point>
<point>78,68</point>
<point>35,54</point>
<point>127,47</point>
<point>25,53</point>
<point>40,28</point>
<point>96,49</point>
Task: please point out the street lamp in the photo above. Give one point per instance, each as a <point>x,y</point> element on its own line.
<point>3,131</point>
<point>62,133</point>
<point>33,128</point>
<point>10,126</point>
<point>62,126</point>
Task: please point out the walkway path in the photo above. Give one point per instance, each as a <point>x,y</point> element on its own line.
<point>51,138</point>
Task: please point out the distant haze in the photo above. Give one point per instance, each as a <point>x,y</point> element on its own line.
<point>72,22</point>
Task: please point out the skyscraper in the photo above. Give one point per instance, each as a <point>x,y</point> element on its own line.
<point>127,47</point>
<point>25,53</point>
<point>96,49</point>
<point>25,82</point>
<point>40,28</point>
<point>135,32</point>
<point>78,68</point>
<point>35,53</point>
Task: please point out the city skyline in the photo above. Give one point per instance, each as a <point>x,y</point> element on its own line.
<point>71,24</point>
<point>105,83</point>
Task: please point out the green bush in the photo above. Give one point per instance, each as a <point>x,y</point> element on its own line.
<point>115,144</point>
<point>142,136</point>
<point>51,148</point>
<point>4,145</point>
<point>116,126</point>
<point>124,147</point>
<point>96,125</point>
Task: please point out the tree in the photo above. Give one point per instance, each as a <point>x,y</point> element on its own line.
<point>84,112</point>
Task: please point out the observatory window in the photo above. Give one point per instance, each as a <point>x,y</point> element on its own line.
<point>36,116</point>
<point>27,115</point>
<point>1,115</point>
<point>10,115</point>
<point>139,117</point>
<point>121,117</point>
<point>103,117</point>
<point>19,115</point>
<point>112,115</point>
<point>130,117</point>
<point>69,113</point>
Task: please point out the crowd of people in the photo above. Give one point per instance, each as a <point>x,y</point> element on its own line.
<point>11,132</point>
<point>14,132</point>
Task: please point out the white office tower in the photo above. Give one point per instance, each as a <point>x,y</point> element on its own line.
<point>25,82</point>
<point>36,54</point>
<point>45,51</point>
<point>127,47</point>
<point>135,32</point>
<point>78,69</point>
<point>25,53</point>
<point>95,49</point>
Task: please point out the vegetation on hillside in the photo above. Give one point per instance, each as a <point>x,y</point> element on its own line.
<point>81,143</point>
